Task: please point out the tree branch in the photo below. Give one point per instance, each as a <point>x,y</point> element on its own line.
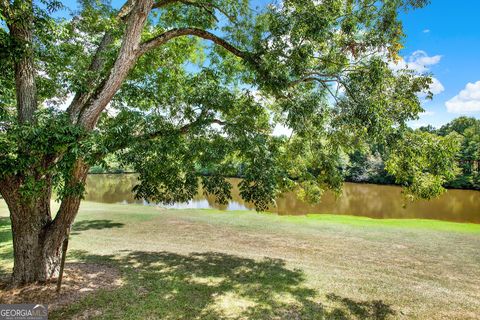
<point>132,49</point>
<point>187,127</point>
<point>175,33</point>
<point>310,79</point>
<point>183,130</point>
<point>203,6</point>
<point>126,9</point>
<point>21,32</point>
<point>98,63</point>
<point>126,58</point>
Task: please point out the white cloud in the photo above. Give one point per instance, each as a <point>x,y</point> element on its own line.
<point>436,86</point>
<point>420,62</point>
<point>467,101</point>
<point>426,31</point>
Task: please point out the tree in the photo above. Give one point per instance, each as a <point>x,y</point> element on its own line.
<point>458,125</point>
<point>170,85</point>
<point>469,154</point>
<point>368,166</point>
<point>423,162</point>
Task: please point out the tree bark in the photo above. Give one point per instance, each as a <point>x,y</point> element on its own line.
<point>30,218</point>
<point>37,239</point>
<point>21,32</point>
<point>67,213</point>
<point>34,260</point>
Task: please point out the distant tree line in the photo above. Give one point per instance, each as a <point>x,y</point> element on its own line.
<point>368,165</point>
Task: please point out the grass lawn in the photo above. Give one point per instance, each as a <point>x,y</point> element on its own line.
<point>205,264</point>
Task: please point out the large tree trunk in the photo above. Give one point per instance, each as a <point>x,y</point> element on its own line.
<point>34,260</point>
<point>30,218</point>
<point>37,239</point>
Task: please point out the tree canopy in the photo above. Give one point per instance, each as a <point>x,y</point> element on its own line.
<point>173,85</point>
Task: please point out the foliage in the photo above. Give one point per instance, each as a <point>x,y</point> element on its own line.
<point>109,164</point>
<point>27,148</point>
<point>469,153</point>
<point>320,69</point>
<point>418,160</point>
<point>368,166</point>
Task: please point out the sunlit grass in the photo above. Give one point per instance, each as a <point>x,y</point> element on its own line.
<point>208,264</point>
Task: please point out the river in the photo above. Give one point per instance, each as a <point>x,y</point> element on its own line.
<point>369,200</point>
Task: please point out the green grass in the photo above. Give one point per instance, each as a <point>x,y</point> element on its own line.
<point>399,223</point>
<point>207,264</point>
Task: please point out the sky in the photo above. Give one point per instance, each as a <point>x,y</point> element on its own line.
<point>442,39</point>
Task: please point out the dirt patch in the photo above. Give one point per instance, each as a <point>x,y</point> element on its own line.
<point>79,280</point>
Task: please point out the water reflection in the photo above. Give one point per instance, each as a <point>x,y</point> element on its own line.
<point>369,200</point>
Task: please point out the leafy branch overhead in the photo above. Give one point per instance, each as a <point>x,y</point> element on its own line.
<point>171,86</point>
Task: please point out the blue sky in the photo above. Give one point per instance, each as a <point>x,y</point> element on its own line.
<point>442,39</point>
<point>448,32</point>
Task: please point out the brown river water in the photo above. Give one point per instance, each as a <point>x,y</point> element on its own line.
<point>369,200</point>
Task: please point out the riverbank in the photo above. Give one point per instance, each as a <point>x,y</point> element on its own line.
<point>208,264</point>
<point>367,200</point>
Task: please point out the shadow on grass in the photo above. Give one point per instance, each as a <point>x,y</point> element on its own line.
<point>164,285</point>
<point>375,309</point>
<point>94,225</point>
